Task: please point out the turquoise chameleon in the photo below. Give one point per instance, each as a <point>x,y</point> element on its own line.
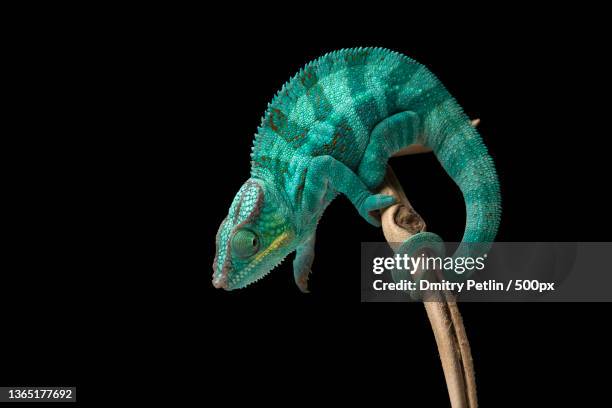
<point>331,129</point>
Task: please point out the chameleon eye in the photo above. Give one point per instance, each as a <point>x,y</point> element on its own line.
<point>245,243</point>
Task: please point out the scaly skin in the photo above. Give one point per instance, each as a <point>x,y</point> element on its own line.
<point>330,130</point>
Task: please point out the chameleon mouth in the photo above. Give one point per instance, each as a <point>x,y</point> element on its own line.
<point>219,282</point>
<point>246,276</point>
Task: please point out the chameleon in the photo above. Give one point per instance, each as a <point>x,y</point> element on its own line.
<point>330,130</point>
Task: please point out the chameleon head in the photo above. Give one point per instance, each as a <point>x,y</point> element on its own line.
<point>256,235</point>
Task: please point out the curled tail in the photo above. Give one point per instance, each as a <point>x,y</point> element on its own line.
<point>461,152</point>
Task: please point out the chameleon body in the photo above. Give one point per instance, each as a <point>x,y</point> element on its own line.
<point>331,130</point>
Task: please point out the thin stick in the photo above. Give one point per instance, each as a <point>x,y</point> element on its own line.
<point>400,222</point>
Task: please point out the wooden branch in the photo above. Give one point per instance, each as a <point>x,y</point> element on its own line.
<point>400,222</point>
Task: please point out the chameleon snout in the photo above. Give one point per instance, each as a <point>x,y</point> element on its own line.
<point>219,283</point>
<point>219,280</point>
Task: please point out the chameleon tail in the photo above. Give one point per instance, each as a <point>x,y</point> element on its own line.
<point>461,152</point>
<point>464,156</point>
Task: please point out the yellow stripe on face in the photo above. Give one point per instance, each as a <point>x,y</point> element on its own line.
<point>277,243</point>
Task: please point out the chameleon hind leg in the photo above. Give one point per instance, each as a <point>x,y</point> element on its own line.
<point>388,137</point>
<point>303,262</point>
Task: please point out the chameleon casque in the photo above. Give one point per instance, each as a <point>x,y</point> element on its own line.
<point>331,129</point>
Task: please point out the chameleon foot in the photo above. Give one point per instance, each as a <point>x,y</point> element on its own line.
<point>303,261</point>
<point>373,203</point>
<point>301,280</point>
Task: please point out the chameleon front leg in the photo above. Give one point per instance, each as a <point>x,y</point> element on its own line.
<point>303,262</point>
<point>324,172</point>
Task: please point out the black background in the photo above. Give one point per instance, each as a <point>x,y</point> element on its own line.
<point>536,97</point>
<point>135,139</point>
